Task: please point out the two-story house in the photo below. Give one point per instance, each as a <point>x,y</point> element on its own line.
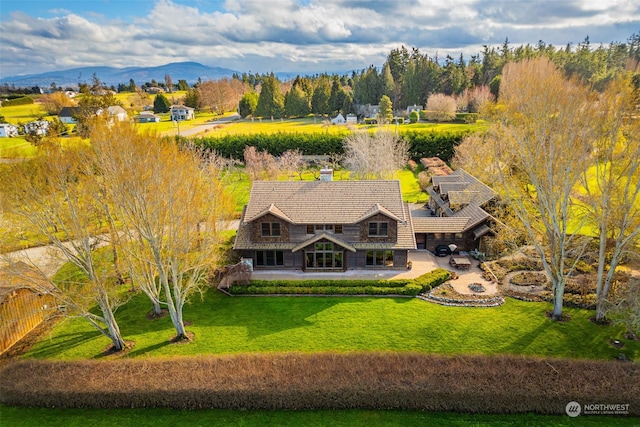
<point>325,225</point>
<point>182,112</point>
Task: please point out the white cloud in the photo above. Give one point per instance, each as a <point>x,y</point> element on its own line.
<point>318,35</point>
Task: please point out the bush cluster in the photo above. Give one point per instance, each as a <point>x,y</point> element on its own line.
<point>24,100</point>
<point>408,287</point>
<point>300,381</point>
<point>422,144</point>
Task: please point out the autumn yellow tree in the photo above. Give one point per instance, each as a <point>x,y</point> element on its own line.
<point>611,186</point>
<point>55,194</point>
<point>171,206</point>
<point>542,142</point>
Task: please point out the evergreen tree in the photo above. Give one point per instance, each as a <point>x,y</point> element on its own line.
<point>296,102</point>
<point>161,104</point>
<point>321,96</point>
<point>191,98</point>
<point>386,110</point>
<point>388,84</point>
<point>271,99</point>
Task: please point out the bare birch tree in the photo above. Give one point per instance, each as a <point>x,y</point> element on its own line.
<point>375,156</point>
<point>612,184</point>
<point>171,206</point>
<point>544,129</point>
<point>55,195</point>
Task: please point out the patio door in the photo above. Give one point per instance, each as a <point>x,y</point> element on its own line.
<point>324,256</point>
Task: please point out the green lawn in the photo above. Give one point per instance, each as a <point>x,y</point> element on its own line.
<point>224,325</point>
<point>28,417</point>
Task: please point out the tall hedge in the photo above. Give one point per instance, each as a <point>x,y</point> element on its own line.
<point>17,101</point>
<point>422,144</point>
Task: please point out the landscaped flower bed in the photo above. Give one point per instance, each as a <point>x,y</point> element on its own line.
<point>447,295</point>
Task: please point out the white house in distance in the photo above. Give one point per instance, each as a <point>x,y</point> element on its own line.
<point>182,112</point>
<point>117,114</point>
<point>352,118</point>
<point>37,127</point>
<point>338,120</point>
<point>8,130</point>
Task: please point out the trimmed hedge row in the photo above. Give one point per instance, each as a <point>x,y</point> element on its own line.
<point>409,287</point>
<point>421,144</point>
<point>300,381</point>
<point>17,101</point>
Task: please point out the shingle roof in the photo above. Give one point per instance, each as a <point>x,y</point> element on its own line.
<point>460,196</point>
<point>332,202</point>
<point>326,202</point>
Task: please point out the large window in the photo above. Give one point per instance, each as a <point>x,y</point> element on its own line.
<point>269,258</point>
<point>378,229</point>
<point>270,229</point>
<point>379,259</point>
<point>324,256</point>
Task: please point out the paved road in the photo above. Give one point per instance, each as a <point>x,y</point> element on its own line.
<point>206,126</point>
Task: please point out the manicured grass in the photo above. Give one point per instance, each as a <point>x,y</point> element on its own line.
<point>27,417</point>
<point>224,325</point>
<point>411,192</point>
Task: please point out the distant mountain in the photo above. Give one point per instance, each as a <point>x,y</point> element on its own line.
<point>189,71</point>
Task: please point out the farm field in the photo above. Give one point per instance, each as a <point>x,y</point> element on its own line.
<point>226,325</point>
<point>316,125</point>
<point>158,417</point>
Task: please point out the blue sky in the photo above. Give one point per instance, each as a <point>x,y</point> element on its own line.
<point>306,36</point>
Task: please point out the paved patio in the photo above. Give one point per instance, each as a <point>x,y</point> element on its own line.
<point>422,262</point>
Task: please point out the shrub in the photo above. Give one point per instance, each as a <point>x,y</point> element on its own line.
<point>432,279</point>
<point>299,381</point>
<point>421,144</point>
<point>406,287</point>
<point>414,116</point>
<point>18,101</point>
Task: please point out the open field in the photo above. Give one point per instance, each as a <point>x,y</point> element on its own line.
<point>318,125</point>
<point>159,417</point>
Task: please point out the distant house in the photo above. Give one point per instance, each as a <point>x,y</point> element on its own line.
<point>352,118</point>
<point>338,120</point>
<point>25,302</point>
<point>8,130</point>
<point>146,117</point>
<point>117,114</point>
<point>182,112</point>
<point>66,115</point>
<point>454,214</point>
<point>325,225</point>
<point>413,108</point>
<point>37,127</point>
